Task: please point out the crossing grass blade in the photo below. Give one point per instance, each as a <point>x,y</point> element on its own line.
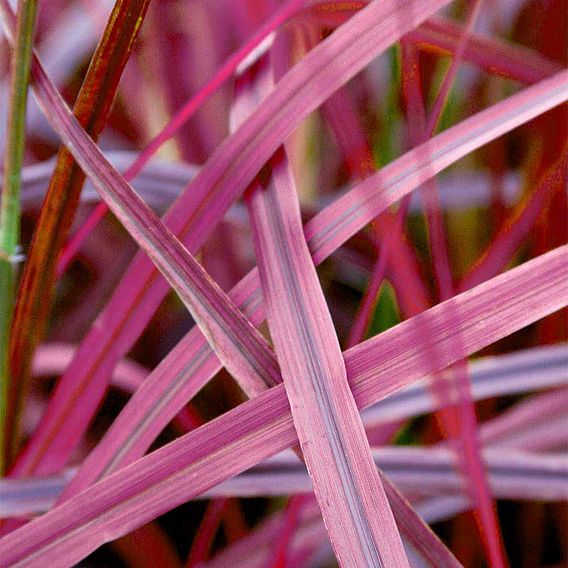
<point>229,170</point>
<point>191,364</point>
<point>329,428</point>
<point>263,426</point>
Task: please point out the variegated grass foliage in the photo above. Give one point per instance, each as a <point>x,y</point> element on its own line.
<point>362,207</point>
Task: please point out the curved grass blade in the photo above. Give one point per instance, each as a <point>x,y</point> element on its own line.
<point>10,215</point>
<point>91,109</point>
<point>263,426</point>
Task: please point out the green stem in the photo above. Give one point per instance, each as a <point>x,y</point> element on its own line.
<point>10,202</point>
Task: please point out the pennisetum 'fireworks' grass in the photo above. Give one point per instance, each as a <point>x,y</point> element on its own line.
<point>297,133</point>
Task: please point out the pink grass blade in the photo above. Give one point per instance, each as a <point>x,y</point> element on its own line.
<point>441,35</point>
<point>517,227</point>
<point>181,117</point>
<point>515,474</point>
<point>275,219</point>
<point>459,418</point>
<point>332,438</point>
<point>513,374</point>
<point>442,96</point>
<point>276,222</point>
<point>342,117</point>
<point>226,174</point>
<point>419,471</point>
<point>159,183</point>
<point>500,302</point>
<point>151,408</point>
<point>129,376</point>
<point>154,406</point>
<point>53,358</point>
<point>343,218</point>
<point>238,344</point>
<point>329,428</point>
<point>244,352</point>
<point>281,553</point>
<point>434,509</point>
<point>206,532</point>
<point>515,454</point>
<point>534,424</point>
<point>263,426</point>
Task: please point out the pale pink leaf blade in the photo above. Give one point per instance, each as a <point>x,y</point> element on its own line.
<point>325,416</point>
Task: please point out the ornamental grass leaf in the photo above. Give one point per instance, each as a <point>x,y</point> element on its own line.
<point>263,426</point>
<point>191,363</point>
<point>228,171</point>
